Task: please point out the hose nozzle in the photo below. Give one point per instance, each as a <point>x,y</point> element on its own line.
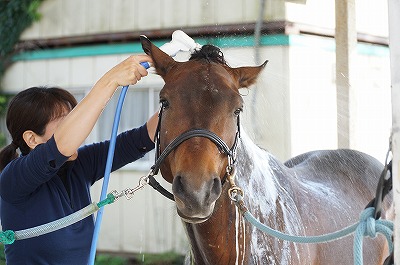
<point>180,42</point>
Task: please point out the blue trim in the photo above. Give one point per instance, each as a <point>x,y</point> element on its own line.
<point>374,50</point>
<point>223,42</point>
<point>247,41</point>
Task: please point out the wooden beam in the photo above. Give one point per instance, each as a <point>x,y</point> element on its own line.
<point>346,52</point>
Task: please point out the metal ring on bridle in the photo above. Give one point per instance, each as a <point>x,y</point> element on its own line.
<point>233,192</point>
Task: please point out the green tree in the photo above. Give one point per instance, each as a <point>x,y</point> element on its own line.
<point>4,99</point>
<point>15,17</point>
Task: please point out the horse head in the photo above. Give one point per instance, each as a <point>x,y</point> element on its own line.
<point>201,102</point>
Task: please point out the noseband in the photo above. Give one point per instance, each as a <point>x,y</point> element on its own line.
<point>160,157</point>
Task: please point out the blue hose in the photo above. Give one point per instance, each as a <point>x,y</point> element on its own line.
<point>108,168</point>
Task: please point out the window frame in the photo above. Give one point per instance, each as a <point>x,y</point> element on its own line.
<point>152,90</point>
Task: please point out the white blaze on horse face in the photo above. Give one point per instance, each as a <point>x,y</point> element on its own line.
<point>263,195</point>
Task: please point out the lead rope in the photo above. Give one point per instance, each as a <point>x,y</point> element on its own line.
<point>367,226</point>
<point>8,237</point>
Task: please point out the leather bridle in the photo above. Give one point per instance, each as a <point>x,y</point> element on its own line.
<point>197,132</point>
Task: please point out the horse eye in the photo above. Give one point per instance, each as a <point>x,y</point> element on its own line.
<point>164,103</point>
<point>238,111</point>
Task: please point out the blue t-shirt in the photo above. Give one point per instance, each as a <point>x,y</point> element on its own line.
<point>32,194</point>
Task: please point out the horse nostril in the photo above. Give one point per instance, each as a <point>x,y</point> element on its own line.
<point>217,186</point>
<point>177,185</point>
<point>215,190</point>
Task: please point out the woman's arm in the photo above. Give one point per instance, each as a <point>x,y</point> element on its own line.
<point>77,125</point>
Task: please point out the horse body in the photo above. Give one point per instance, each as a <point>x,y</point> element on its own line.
<point>312,194</point>
<point>315,193</point>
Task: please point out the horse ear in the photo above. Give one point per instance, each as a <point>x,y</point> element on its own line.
<point>247,76</point>
<point>162,61</point>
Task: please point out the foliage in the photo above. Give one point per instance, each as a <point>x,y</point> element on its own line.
<point>3,141</point>
<point>4,99</point>
<point>167,258</point>
<point>109,260</point>
<point>15,17</point>
<point>2,256</point>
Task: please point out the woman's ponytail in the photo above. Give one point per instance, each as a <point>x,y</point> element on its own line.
<point>7,154</point>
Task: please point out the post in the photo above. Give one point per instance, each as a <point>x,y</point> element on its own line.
<point>346,52</point>
<point>394,45</point>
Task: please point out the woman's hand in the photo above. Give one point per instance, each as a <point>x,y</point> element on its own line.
<point>128,72</point>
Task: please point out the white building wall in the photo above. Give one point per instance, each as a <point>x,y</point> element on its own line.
<point>146,223</point>
<point>312,98</point>
<point>85,17</point>
<point>292,108</point>
<point>371,15</point>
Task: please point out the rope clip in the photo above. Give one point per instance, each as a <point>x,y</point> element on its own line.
<point>128,192</point>
<point>233,190</point>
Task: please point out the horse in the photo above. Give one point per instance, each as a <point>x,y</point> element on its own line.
<point>200,140</point>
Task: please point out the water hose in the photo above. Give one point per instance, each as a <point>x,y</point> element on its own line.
<point>9,236</point>
<point>107,172</point>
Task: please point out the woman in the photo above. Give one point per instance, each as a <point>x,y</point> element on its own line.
<point>51,178</point>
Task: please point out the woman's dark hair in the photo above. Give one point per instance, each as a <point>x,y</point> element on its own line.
<point>32,109</point>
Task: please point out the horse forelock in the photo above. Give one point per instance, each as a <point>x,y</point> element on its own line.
<point>210,53</point>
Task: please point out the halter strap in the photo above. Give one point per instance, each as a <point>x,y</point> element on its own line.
<point>187,135</point>
<point>159,158</point>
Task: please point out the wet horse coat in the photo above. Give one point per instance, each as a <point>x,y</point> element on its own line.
<point>312,194</point>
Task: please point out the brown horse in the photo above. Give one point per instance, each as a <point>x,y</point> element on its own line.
<point>312,194</point>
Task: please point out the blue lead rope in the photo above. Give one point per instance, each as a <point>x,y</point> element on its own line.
<point>367,226</point>
<point>108,168</point>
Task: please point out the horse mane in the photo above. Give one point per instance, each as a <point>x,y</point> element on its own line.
<point>210,53</point>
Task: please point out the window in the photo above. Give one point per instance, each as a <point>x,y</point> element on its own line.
<point>139,104</point>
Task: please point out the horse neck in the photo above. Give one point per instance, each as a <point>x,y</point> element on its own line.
<point>221,239</point>
<point>259,171</point>
<point>268,194</point>
<point>226,238</point>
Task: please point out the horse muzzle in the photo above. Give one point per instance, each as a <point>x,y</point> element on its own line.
<point>195,204</point>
